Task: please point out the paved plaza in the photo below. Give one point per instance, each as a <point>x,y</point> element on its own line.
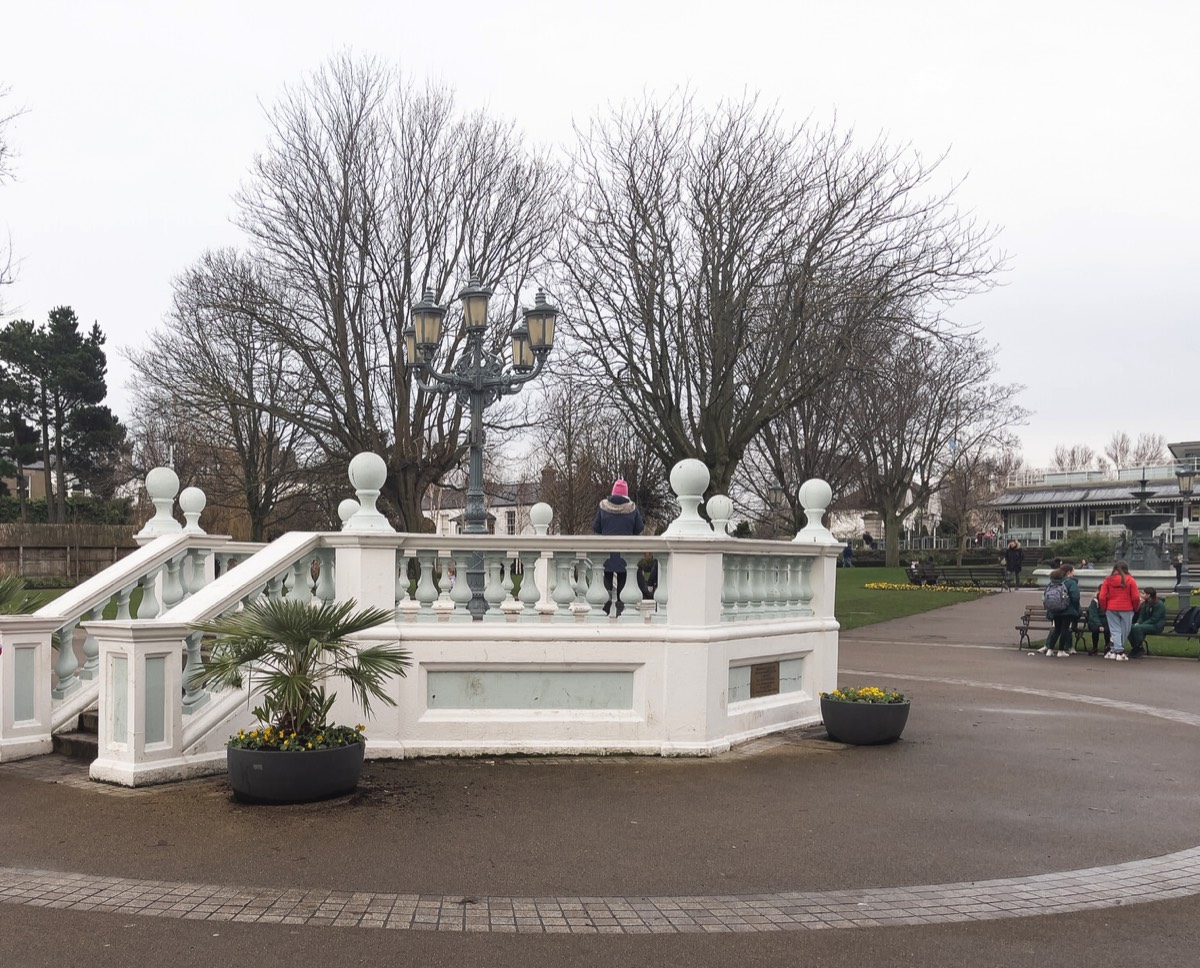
<point>1037,812</point>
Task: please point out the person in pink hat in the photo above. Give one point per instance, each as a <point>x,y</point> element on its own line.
<point>617,514</point>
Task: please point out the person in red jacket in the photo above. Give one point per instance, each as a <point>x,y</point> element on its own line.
<point>1119,599</point>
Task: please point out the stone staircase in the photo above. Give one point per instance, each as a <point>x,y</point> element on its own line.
<point>82,742</point>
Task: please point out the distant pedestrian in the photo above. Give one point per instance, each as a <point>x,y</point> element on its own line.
<point>647,575</point>
<point>848,555</point>
<point>1014,561</point>
<point>617,514</point>
<point>1120,600</point>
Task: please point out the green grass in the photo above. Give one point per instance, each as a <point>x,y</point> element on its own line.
<point>857,606</point>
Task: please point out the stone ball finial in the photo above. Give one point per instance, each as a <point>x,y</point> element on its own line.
<point>162,484</point>
<point>720,510</point>
<point>689,478</point>
<point>347,509</point>
<point>367,473</point>
<point>815,495</point>
<point>540,516</point>
<point>192,502</point>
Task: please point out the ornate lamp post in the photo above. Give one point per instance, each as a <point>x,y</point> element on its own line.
<point>479,380</point>
<point>1187,482</point>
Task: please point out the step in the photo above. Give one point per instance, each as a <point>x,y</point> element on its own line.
<point>77,745</point>
<point>89,722</point>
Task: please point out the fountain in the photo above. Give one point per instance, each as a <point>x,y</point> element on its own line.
<point>1143,551</point>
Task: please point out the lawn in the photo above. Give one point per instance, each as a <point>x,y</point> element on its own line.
<point>857,606</point>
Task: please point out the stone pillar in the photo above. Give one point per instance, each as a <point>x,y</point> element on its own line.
<point>141,708</point>
<point>26,659</point>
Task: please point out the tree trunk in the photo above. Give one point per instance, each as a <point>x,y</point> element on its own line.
<point>46,473</point>
<point>891,538</point>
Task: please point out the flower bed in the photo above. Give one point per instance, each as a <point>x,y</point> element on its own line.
<point>896,587</point>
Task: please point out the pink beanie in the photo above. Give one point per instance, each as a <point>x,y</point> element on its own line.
<point>620,489</point>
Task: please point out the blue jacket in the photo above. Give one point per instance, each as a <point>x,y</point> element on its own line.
<point>617,515</point>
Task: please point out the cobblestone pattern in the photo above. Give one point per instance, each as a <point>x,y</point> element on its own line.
<point>1156,879</point>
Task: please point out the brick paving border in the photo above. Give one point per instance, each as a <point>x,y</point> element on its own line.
<point>1154,879</point>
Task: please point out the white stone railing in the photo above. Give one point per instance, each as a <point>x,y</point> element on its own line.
<point>676,674</point>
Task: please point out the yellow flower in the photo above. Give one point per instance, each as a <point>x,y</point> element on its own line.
<point>310,745</point>
<point>360,727</point>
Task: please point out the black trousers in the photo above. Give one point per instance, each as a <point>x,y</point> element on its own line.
<point>608,586</point>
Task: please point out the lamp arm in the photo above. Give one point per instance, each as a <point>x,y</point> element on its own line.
<point>512,381</point>
<point>436,382</point>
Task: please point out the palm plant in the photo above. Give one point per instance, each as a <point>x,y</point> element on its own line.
<point>289,649</point>
<point>13,598</point>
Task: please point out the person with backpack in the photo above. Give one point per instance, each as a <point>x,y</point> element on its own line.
<point>1014,560</point>
<point>1097,624</point>
<point>1150,620</point>
<point>1120,600</point>
<point>1061,599</point>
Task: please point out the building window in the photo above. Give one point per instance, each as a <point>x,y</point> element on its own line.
<point>1100,518</point>
<point>1025,521</point>
<point>510,520</point>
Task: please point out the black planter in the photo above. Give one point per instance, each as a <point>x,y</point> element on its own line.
<point>864,723</point>
<point>272,776</point>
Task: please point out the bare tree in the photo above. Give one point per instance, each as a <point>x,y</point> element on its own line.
<point>217,365</point>
<point>1075,457</point>
<point>1149,450</point>
<point>928,403</point>
<point>7,116</point>
<point>977,476</point>
<point>1118,449</point>
<point>721,265</point>
<point>369,193</point>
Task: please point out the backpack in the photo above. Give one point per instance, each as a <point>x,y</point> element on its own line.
<point>1056,598</point>
<point>1188,622</point>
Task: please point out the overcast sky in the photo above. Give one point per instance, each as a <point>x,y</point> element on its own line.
<point>1075,125</point>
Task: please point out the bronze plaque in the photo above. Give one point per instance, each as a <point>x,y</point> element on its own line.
<point>764,679</point>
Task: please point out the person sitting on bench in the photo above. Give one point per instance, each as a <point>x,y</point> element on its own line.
<point>1151,619</point>
<point>1097,624</point>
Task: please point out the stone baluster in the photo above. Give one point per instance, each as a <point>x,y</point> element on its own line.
<point>407,607</point>
<point>508,579</point>
<point>275,585</point>
<point>754,587</point>
<point>66,666</point>
<point>729,586</point>
<point>91,647</point>
<point>579,582</point>
<point>493,590</point>
<point>443,606</point>
<point>326,590</point>
<point>660,593</point>
<point>193,696</point>
<point>530,594</point>
<point>740,568</point>
<point>630,596</point>
<point>301,584</point>
<point>172,588</point>
<point>771,598</point>
<point>149,605</point>
<point>564,586</point>
<point>195,572</point>
<point>806,589</point>
<point>460,594</point>
<point>426,592</point>
<point>123,597</point>
<point>597,595</point>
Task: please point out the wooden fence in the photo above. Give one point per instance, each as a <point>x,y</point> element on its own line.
<point>64,551</point>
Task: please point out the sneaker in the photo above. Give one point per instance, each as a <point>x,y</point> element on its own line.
<point>1121,657</point>
<point>1063,655</point>
<point>1042,651</point>
<point>1049,653</point>
<point>1110,655</point>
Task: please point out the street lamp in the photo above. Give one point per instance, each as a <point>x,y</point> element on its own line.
<point>1187,482</point>
<point>479,379</point>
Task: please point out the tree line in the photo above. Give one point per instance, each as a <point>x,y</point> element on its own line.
<point>769,297</point>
